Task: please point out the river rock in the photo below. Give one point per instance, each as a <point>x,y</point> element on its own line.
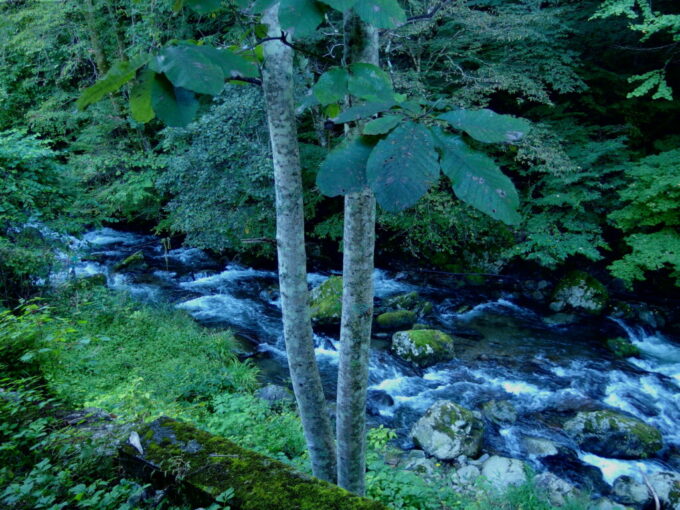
<point>629,491</point>
<point>417,461</point>
<point>500,411</point>
<point>667,488</point>
<point>423,347</point>
<point>397,320</point>
<point>539,447</point>
<point>606,504</point>
<point>326,301</point>
<point>580,292</point>
<point>613,434</point>
<point>274,394</point>
<point>377,400</point>
<point>448,430</point>
<point>467,475</point>
<point>134,261</point>
<point>411,301</point>
<point>622,347</point>
<point>554,489</point>
<point>503,472</point>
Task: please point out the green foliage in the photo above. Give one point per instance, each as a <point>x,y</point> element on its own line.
<point>301,17</point>
<point>134,360</point>
<point>258,425</point>
<point>344,169</point>
<point>486,125</point>
<point>219,173</point>
<point>381,13</point>
<point>119,74</point>
<point>402,167</point>
<point>650,217</point>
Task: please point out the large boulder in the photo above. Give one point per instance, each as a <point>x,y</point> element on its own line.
<point>613,434</point>
<point>667,488</point>
<point>580,292</point>
<point>326,301</point>
<point>629,491</point>
<point>503,472</point>
<point>423,347</point>
<point>448,430</point>
<point>195,468</point>
<point>555,490</point>
<point>394,321</point>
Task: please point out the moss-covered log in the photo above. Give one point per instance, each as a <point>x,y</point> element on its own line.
<point>196,467</point>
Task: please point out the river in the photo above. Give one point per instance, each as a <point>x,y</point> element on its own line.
<point>548,369</point>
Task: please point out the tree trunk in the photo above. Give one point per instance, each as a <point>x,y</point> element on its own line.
<point>361,45</point>
<point>277,80</point>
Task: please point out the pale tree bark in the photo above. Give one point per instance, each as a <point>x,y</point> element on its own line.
<point>277,82</point>
<point>361,45</point>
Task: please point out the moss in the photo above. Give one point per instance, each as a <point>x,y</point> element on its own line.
<point>136,260</point>
<point>401,319</point>
<point>423,347</point>
<point>209,465</point>
<point>410,301</point>
<point>622,347</point>
<point>326,301</point>
<point>580,291</point>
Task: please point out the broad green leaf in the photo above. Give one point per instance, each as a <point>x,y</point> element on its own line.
<point>486,125</point>
<point>332,110</point>
<point>175,106</point>
<point>344,169</point>
<point>262,5</point>
<point>370,83</point>
<point>363,111</point>
<point>402,167</point>
<point>120,73</point>
<point>301,17</point>
<point>203,6</point>
<point>261,30</point>
<point>381,13</point>
<point>332,86</point>
<point>340,5</point>
<point>232,65</point>
<point>382,125</point>
<point>477,180</point>
<point>189,67</point>
<point>141,108</point>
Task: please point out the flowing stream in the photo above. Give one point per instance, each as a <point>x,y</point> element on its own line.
<point>547,369</point>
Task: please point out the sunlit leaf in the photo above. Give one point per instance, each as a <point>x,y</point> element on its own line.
<point>141,107</point>
<point>120,73</point>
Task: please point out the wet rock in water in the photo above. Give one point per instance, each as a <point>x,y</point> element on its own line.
<point>667,488</point>
<point>503,472</point>
<point>613,434</point>
<point>273,393</point>
<point>500,411</point>
<point>567,465</point>
<point>555,490</point>
<point>580,292</point>
<point>326,301</point>
<point>606,504</point>
<point>622,347</point>
<point>377,400</point>
<point>195,467</point>
<point>561,318</point>
<point>629,491</point>
<point>134,261</point>
<point>423,347</point>
<point>538,447</point>
<point>397,320</point>
<point>448,430</point>
<point>411,301</point>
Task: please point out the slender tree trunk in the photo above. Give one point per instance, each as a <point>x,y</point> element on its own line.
<point>277,80</point>
<point>361,45</point>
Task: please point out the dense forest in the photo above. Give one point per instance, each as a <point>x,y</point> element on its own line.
<point>171,169</point>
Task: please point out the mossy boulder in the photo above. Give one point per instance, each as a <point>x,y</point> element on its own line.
<point>613,434</point>
<point>622,347</point>
<point>411,301</point>
<point>580,292</point>
<point>134,261</point>
<point>423,347</point>
<point>195,467</point>
<point>448,430</point>
<point>326,301</point>
<point>393,321</point>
